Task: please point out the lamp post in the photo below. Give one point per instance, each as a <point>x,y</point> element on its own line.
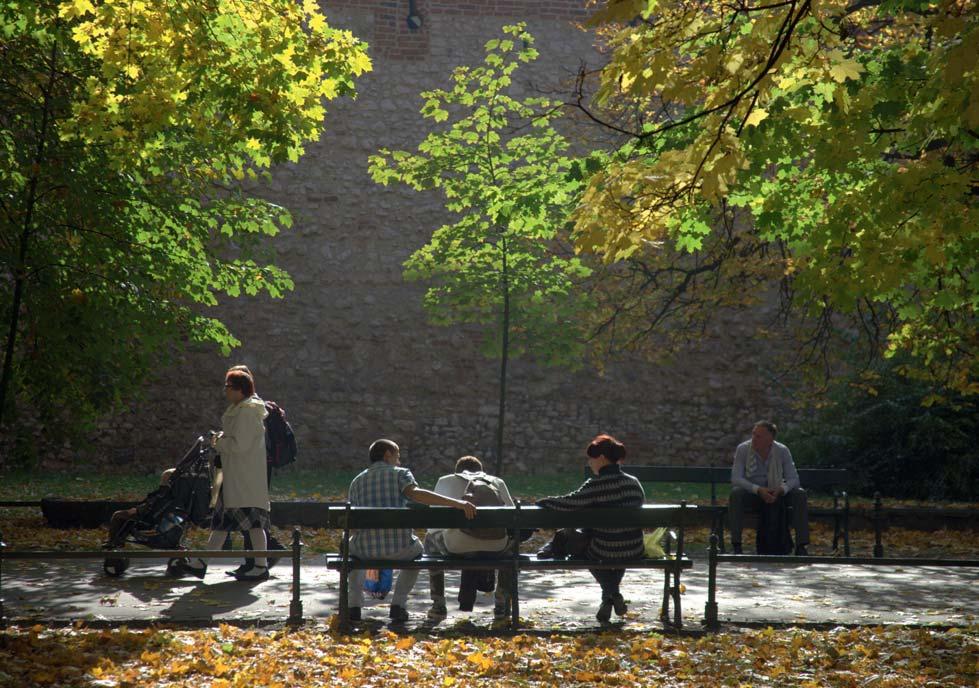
<point>414,19</point>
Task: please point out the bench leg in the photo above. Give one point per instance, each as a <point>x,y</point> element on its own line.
<point>664,612</point>
<point>677,613</point>
<point>719,529</point>
<point>296,605</point>
<point>836,521</point>
<point>3,619</point>
<point>344,610</point>
<point>344,607</point>
<point>710,610</point>
<point>514,534</point>
<point>514,602</point>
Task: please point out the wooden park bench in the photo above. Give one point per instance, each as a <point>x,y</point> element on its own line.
<point>515,519</point>
<point>833,480</point>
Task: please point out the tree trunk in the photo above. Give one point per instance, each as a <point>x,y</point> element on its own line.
<point>504,354</point>
<point>20,270</point>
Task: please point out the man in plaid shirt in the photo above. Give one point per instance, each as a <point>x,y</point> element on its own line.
<point>386,484</point>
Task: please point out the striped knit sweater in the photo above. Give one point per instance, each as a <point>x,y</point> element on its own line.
<point>610,488</point>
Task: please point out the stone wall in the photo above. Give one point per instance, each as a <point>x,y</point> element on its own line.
<point>349,353</point>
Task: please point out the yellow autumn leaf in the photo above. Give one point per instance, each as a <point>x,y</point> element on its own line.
<point>846,69</point>
<point>317,23</point>
<point>482,661</point>
<point>756,117</point>
<point>76,8</point>
<point>360,63</point>
<point>734,64</point>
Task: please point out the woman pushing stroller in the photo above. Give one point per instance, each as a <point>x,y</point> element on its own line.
<point>243,502</point>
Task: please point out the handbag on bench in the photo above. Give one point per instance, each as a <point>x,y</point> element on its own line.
<point>567,542</point>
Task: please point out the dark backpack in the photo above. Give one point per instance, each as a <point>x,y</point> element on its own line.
<point>482,492</point>
<point>280,441</point>
<point>772,535</point>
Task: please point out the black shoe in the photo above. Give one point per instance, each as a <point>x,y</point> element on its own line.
<point>604,613</point>
<point>736,548</point>
<point>800,551</point>
<point>398,613</point>
<point>353,613</point>
<point>244,568</point>
<point>547,552</point>
<point>183,567</point>
<point>256,573</point>
<point>619,605</point>
<point>437,612</point>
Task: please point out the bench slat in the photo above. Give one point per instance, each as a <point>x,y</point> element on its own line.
<point>649,516</point>
<point>335,562</point>
<point>810,477</point>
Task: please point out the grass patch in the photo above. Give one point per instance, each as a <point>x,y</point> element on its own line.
<point>291,483</point>
<point>295,483</point>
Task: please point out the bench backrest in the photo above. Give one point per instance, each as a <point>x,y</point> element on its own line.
<point>811,478</point>
<point>648,516</point>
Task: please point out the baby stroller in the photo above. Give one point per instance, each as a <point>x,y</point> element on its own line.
<point>160,521</point>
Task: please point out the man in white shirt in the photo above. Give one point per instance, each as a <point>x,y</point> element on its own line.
<point>764,472</point>
<point>453,541</point>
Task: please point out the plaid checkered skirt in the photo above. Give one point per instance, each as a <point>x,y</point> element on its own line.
<point>240,518</point>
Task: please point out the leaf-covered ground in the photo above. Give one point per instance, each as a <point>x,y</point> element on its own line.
<point>227,657</point>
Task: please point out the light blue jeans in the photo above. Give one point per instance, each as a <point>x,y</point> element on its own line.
<point>402,585</point>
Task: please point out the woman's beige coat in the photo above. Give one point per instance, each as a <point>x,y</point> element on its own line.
<point>242,450</point>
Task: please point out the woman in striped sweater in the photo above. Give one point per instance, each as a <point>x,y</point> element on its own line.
<point>610,487</point>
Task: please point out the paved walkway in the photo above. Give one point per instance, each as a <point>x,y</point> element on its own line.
<point>747,593</point>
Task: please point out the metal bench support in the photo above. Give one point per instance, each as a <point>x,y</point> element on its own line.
<point>296,605</point>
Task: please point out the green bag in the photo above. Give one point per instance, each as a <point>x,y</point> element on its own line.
<point>653,544</point>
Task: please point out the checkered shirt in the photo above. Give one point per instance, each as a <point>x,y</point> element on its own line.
<point>381,485</point>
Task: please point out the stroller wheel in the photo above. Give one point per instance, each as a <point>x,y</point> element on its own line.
<point>115,567</point>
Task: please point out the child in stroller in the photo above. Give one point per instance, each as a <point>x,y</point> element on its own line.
<point>161,519</point>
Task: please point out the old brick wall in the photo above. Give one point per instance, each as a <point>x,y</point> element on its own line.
<point>349,353</point>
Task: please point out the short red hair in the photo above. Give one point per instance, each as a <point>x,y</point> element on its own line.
<point>240,380</point>
<point>606,445</point>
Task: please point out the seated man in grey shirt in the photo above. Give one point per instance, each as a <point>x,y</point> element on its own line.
<point>452,541</point>
<point>763,472</point>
